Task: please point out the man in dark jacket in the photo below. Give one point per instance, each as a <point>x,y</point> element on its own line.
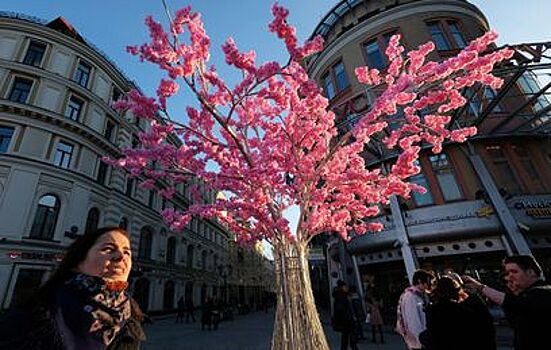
<point>527,305</point>
<point>343,316</point>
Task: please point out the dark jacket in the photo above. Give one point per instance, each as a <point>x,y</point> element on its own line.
<point>46,326</point>
<point>343,315</point>
<point>528,314</point>
<point>453,326</point>
<point>482,322</point>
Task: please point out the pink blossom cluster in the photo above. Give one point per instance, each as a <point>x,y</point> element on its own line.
<point>271,143</point>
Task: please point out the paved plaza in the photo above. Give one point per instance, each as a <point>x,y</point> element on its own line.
<point>254,332</point>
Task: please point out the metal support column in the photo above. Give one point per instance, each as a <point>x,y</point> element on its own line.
<point>512,231</point>
<point>408,253</point>
<point>360,286</point>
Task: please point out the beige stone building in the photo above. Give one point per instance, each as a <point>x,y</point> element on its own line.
<point>56,123</point>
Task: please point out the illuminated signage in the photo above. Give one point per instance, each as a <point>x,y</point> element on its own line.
<point>535,208</point>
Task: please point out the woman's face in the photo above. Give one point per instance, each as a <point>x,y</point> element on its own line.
<point>110,257</point>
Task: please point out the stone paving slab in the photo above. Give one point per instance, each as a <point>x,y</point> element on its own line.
<point>254,332</point>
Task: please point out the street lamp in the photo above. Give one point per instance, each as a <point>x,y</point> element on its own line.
<point>225,271</point>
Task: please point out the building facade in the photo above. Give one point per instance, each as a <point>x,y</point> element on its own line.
<point>487,198</point>
<point>56,123</point>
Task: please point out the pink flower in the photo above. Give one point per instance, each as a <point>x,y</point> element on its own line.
<point>270,142</point>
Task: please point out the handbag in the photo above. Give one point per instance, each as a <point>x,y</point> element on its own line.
<point>368,317</point>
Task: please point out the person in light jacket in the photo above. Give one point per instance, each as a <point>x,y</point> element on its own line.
<point>411,319</point>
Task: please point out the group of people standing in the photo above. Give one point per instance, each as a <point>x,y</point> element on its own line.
<point>450,312</point>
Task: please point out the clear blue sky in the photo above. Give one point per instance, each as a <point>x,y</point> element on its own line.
<point>113,24</point>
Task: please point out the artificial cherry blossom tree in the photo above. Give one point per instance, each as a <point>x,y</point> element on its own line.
<point>270,143</point>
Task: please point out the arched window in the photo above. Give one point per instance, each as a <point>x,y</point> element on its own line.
<point>92,220</point>
<point>141,293</point>
<point>123,223</point>
<point>168,296</point>
<point>171,250</point>
<point>190,252</point>
<point>146,240</point>
<point>45,218</point>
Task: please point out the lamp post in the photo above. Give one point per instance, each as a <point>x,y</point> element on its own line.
<point>225,271</point>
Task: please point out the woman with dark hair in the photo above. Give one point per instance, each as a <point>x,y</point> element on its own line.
<point>453,323</point>
<point>84,305</point>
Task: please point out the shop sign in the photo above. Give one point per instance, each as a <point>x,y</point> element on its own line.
<point>34,255</point>
<point>535,208</point>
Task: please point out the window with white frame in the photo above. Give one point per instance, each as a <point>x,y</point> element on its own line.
<point>20,90</point>
<point>35,53</point>
<point>74,108</point>
<point>63,154</point>
<point>6,134</point>
<point>45,218</point>
<point>82,74</point>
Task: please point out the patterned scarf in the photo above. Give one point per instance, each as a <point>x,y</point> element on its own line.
<point>105,304</point>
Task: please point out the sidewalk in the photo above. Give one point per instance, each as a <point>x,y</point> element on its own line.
<point>254,332</point>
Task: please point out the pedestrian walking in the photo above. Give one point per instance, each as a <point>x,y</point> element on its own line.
<point>206,315</point>
<point>527,303</point>
<point>411,319</point>
<point>190,310</point>
<point>451,324</point>
<point>181,310</point>
<point>374,305</point>
<point>84,305</point>
<point>357,308</point>
<point>343,320</point>
<point>215,313</point>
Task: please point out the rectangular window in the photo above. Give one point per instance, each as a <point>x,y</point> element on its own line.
<point>474,106</point>
<point>151,199</point>
<point>102,173</point>
<point>445,175</point>
<point>421,199</point>
<point>340,76</point>
<point>116,94</point>
<point>20,90</point>
<point>74,108</point>
<point>505,178</point>
<point>438,36</point>
<point>328,86</point>
<point>27,283</point>
<point>135,141</point>
<point>375,56</point>
<point>129,186</point>
<point>34,54</point>
<point>489,96</point>
<point>6,134</point>
<point>457,35</point>
<point>63,155</point>
<point>529,85</point>
<point>526,161</point>
<point>109,130</point>
<point>82,75</point>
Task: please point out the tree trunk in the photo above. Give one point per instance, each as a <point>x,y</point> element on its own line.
<point>297,322</point>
